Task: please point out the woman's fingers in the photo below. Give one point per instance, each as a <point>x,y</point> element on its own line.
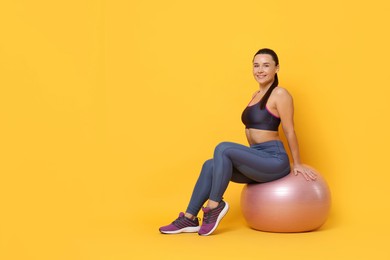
<point>312,175</point>
<point>307,173</point>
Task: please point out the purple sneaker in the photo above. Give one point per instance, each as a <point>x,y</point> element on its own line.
<point>212,217</point>
<point>181,225</point>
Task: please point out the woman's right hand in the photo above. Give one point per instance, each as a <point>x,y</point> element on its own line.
<point>308,173</point>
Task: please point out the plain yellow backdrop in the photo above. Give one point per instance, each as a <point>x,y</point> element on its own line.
<point>109,108</point>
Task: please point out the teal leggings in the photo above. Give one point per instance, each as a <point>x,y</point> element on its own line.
<point>258,163</point>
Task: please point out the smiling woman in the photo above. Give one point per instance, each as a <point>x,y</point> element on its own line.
<point>264,160</point>
<point>266,67</point>
<point>108,108</point>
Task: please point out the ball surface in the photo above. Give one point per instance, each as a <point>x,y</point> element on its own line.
<point>289,204</point>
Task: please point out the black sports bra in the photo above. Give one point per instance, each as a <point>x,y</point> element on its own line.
<point>254,117</point>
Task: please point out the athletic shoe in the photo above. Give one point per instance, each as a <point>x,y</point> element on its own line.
<point>212,217</point>
<point>181,225</point>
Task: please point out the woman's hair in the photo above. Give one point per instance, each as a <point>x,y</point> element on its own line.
<point>276,81</point>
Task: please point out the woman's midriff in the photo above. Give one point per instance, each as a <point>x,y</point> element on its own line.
<point>256,136</point>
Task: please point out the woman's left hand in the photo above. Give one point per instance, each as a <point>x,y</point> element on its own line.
<point>307,172</point>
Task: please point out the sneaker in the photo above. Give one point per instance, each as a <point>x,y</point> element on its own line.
<point>181,225</point>
<point>212,217</point>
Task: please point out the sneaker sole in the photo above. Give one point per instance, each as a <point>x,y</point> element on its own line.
<point>221,215</point>
<point>183,230</point>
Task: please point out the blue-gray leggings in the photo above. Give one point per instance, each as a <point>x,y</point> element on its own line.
<point>262,162</point>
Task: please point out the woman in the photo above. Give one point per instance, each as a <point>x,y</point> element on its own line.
<point>264,160</point>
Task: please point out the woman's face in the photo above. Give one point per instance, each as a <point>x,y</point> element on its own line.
<point>264,69</point>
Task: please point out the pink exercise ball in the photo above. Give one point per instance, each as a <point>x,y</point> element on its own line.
<point>289,204</point>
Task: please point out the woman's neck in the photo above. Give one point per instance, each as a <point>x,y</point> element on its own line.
<point>263,89</point>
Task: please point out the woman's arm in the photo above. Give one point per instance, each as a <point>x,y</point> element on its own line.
<point>285,107</point>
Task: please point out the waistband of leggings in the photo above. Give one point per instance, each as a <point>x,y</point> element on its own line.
<point>268,144</point>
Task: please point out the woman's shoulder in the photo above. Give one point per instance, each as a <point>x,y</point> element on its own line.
<point>281,92</point>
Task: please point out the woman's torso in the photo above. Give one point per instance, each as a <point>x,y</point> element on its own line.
<point>255,136</point>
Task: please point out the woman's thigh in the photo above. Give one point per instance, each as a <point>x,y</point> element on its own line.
<point>252,165</point>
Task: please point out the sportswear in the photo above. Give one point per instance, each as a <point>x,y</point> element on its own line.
<point>262,119</point>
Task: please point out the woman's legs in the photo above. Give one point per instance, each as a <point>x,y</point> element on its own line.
<point>263,163</point>
<point>202,189</point>
<point>237,163</point>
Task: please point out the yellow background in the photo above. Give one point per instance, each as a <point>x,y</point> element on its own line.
<point>109,108</point>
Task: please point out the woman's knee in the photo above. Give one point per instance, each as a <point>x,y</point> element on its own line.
<point>207,167</point>
<point>223,146</point>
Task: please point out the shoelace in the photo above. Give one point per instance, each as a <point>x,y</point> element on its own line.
<point>183,218</point>
<point>178,220</point>
<point>207,216</point>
